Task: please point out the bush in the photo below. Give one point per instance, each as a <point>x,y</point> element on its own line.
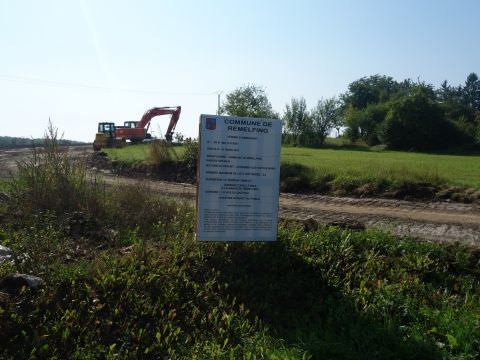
<point>190,156</point>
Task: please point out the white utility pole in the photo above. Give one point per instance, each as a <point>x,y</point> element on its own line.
<point>218,101</point>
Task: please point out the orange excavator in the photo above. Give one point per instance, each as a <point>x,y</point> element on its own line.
<point>110,135</point>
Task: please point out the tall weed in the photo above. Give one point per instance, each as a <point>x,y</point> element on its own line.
<point>137,206</point>
<point>51,179</point>
<point>160,152</point>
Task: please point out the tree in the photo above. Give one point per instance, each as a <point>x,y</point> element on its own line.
<point>297,121</point>
<point>352,121</point>
<point>447,94</point>
<point>179,137</point>
<point>365,123</point>
<point>366,103</point>
<point>471,92</point>
<point>477,123</point>
<point>372,90</point>
<point>339,120</point>
<point>248,101</point>
<point>417,122</point>
<point>459,105</point>
<point>324,116</point>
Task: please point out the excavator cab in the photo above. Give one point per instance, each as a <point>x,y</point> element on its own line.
<point>105,136</point>
<point>130,124</point>
<point>106,128</point>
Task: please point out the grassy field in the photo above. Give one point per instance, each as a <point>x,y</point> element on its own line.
<point>459,170</point>
<point>126,279</point>
<point>342,169</point>
<point>456,170</point>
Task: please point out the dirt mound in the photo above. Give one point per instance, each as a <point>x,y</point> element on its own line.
<point>175,171</point>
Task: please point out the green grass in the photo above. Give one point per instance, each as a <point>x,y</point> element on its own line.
<point>454,169</point>
<point>361,163</point>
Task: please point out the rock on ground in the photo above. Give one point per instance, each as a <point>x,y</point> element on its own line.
<point>13,283</point>
<point>6,254</point>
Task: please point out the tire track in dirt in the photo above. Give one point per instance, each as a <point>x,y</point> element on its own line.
<point>440,222</point>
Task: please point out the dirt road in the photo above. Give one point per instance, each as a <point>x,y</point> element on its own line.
<point>436,221</point>
<point>442,222</point>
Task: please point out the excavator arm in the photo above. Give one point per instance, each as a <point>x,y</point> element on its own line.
<point>156,111</point>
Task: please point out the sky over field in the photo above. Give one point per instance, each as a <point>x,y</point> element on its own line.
<point>80,62</point>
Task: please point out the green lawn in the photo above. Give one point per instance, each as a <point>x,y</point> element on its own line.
<point>361,163</point>
<point>456,170</point>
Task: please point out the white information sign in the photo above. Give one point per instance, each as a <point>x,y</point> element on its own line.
<point>239,173</point>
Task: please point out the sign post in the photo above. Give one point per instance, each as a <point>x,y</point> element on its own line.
<point>238,178</point>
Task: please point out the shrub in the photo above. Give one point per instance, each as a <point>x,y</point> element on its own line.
<point>190,156</point>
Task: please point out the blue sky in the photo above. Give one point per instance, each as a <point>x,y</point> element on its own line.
<point>84,61</point>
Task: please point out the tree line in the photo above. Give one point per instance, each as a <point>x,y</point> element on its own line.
<point>378,110</point>
<point>10,142</point>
